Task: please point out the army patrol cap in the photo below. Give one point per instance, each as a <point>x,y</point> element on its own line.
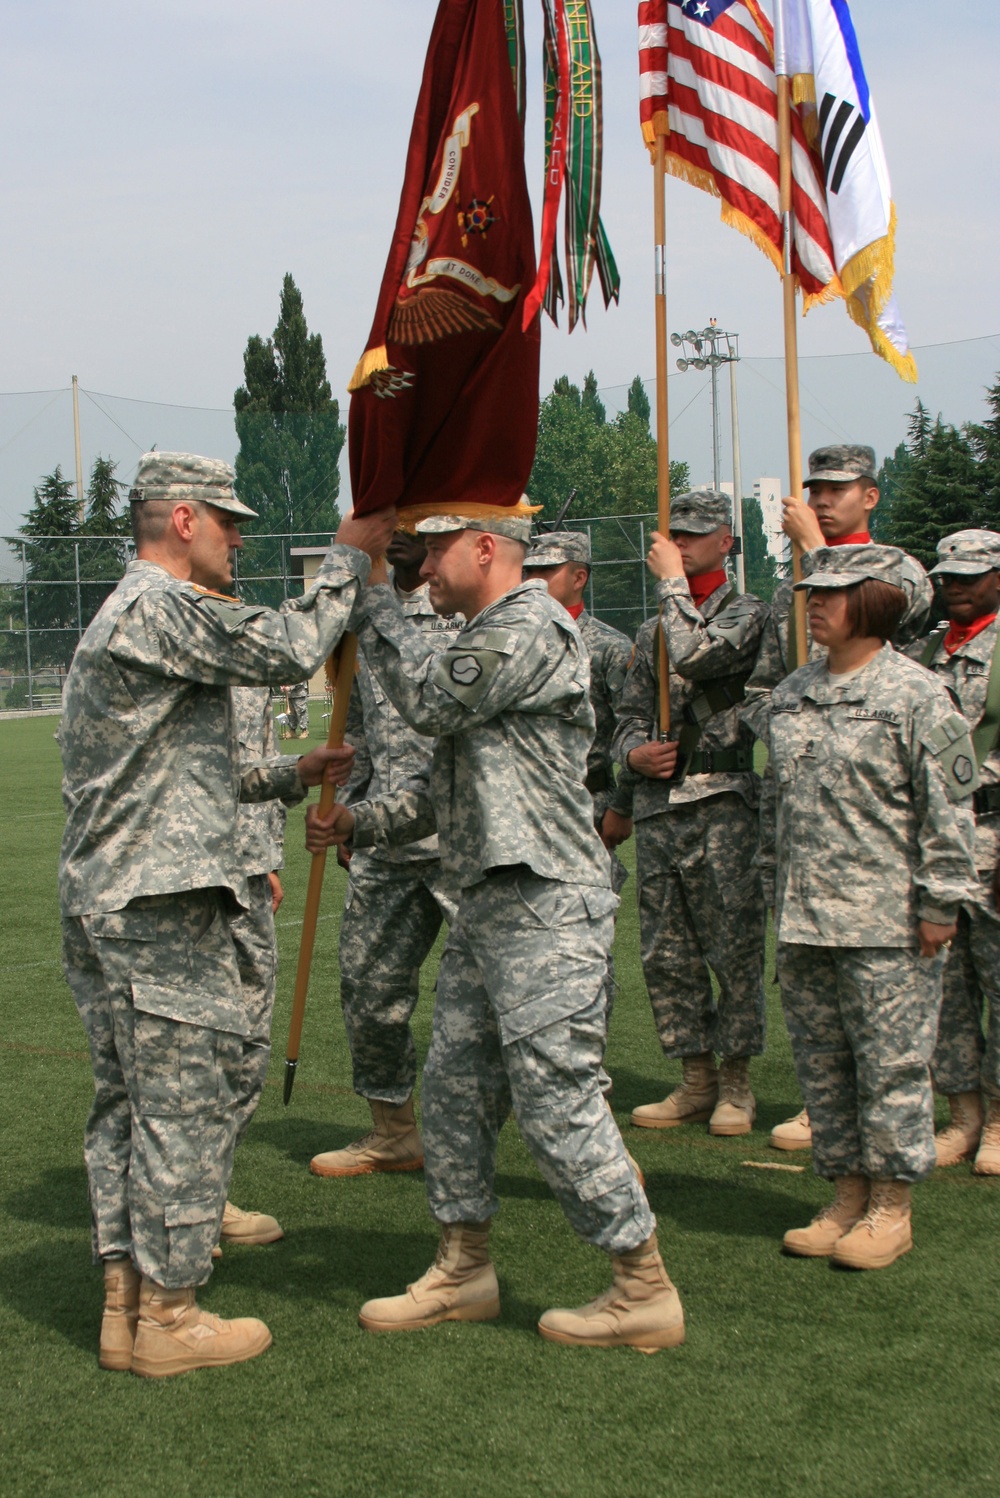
<point>184,477</point>
<point>700,512</point>
<point>553,548</point>
<point>841,464</point>
<point>968,554</point>
<point>517,528</point>
<point>843,566</point>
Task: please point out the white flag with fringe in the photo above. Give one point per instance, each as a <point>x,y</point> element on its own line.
<point>817,49</point>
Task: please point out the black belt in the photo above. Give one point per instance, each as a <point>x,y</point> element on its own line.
<point>986,799</point>
<point>719,761</point>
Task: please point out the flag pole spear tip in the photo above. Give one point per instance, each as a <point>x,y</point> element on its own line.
<point>290,1069</point>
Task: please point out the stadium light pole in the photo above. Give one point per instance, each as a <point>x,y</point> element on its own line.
<point>710,349</point>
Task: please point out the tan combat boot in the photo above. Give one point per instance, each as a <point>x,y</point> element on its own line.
<point>959,1140</point>
<point>883,1235</point>
<point>988,1155</point>
<point>817,1241</point>
<point>175,1335</point>
<point>794,1134</point>
<point>642,1309</point>
<point>248,1227</point>
<point>691,1102</point>
<point>121,1312</point>
<point>737,1107</point>
<point>461,1285</point>
<point>393,1144</point>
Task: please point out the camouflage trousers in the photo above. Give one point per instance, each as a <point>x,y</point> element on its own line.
<point>257,955</point>
<point>701,911</point>
<point>392,915</point>
<point>519,1025</point>
<point>966,1060</point>
<point>158,989</point>
<point>298,707</point>
<point>862,1022</point>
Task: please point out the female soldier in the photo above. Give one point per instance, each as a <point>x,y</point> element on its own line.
<point>867,838</point>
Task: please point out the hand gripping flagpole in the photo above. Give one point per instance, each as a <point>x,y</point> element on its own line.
<point>798,640</point>
<point>662,427</point>
<point>327,796</point>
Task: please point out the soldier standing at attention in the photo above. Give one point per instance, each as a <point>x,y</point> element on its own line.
<point>395,903</point>
<point>561,560</point>
<point>965,654</point>
<point>866,849</point>
<point>298,709</point>
<point>520,1015</point>
<point>150,877</point>
<point>700,903</point>
<point>842,495</point>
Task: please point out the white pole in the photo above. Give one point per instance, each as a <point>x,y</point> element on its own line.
<point>79,459</point>
<point>741,571</point>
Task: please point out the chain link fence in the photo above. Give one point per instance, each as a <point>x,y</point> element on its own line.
<point>52,586</point>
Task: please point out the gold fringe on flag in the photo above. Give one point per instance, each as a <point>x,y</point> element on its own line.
<point>409,515</point>
<point>371,361</point>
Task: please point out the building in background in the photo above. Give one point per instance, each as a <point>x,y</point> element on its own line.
<point>767,492</point>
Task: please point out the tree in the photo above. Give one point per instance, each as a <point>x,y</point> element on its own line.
<point>760,568</point>
<point>290,432</point>
<point>638,401</point>
<point>51,568</point>
<point>941,491</point>
<point>985,439</point>
<point>890,479</point>
<point>102,560</point>
<point>571,452</point>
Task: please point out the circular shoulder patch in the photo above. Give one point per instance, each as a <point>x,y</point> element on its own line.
<point>962,769</point>
<point>465,669</point>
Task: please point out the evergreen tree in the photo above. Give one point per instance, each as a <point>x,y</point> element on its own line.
<point>638,401</point>
<point>890,478</point>
<point>591,402</point>
<point>760,568</point>
<point>290,433</point>
<point>572,452</point>
<point>102,561</point>
<point>985,439</point>
<point>50,525</point>
<point>940,492</point>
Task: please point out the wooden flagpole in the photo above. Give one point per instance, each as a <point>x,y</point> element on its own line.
<point>798,643</point>
<point>327,796</point>
<point>662,426</point>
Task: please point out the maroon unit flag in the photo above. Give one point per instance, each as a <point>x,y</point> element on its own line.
<point>444,405</point>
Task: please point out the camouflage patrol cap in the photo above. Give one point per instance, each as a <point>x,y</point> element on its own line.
<point>553,548</point>
<point>516,528</point>
<point>700,511</point>
<point>185,477</point>
<point>841,464</point>
<point>968,553</point>
<point>843,566</point>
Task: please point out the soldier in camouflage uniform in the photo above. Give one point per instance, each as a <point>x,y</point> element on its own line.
<point>700,904</point>
<point>561,560</point>
<point>519,1018</point>
<point>966,1064</point>
<point>298,709</point>
<point>261,831</point>
<point>842,496</point>
<point>395,903</point>
<point>866,851</point>
<point>149,878</point>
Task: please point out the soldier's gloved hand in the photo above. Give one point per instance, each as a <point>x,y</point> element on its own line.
<point>333,765</point>
<point>370,533</point>
<point>933,937</point>
<point>657,759</point>
<point>328,832</point>
<point>664,558</point>
<point>799,522</point>
<point>615,829</point>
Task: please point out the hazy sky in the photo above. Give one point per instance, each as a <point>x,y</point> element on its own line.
<point>168,160</point>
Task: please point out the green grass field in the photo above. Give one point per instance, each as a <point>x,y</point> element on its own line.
<point>795,1378</point>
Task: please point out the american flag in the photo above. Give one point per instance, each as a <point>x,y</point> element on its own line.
<point>707,82</point>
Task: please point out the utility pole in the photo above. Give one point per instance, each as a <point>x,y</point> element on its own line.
<point>79,459</point>
<point>709,349</point>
